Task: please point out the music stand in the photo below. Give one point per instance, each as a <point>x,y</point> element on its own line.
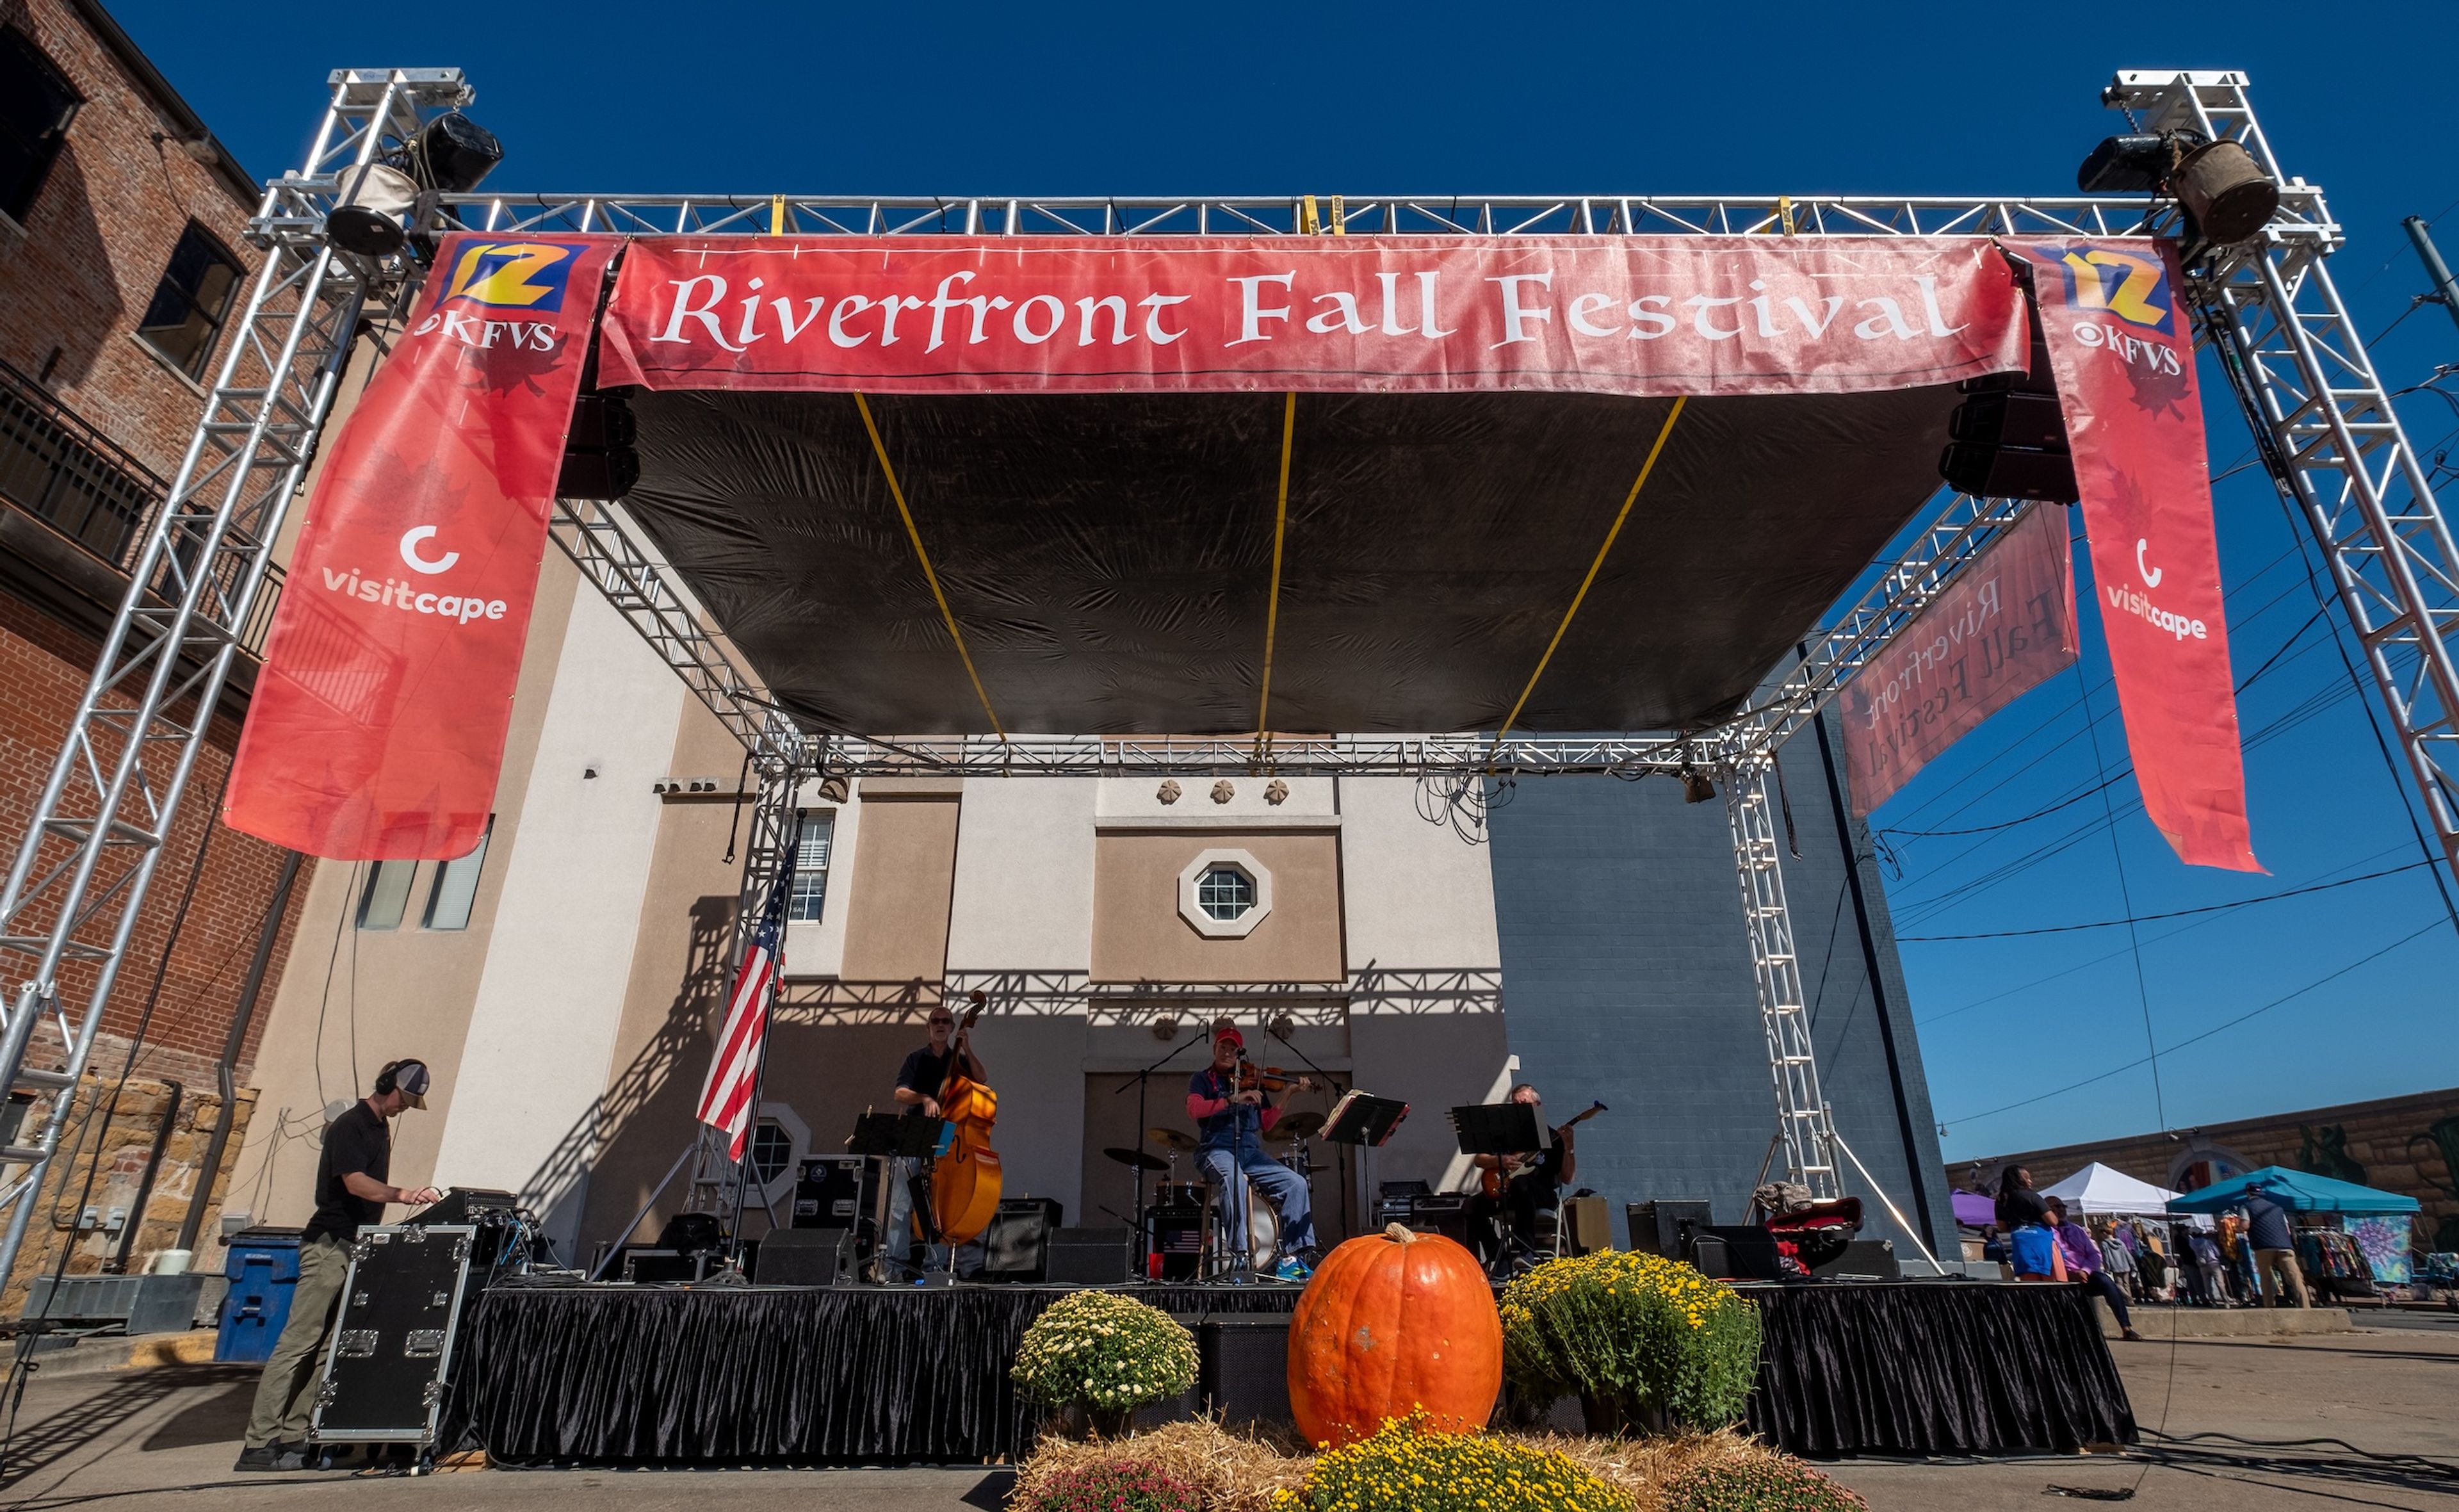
<point>1362,1118</point>
<point>1498,1128</point>
<point>883,1137</point>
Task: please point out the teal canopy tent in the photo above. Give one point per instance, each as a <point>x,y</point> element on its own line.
<point>2298,1191</point>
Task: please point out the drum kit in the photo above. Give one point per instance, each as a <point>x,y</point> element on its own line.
<point>1183,1238</point>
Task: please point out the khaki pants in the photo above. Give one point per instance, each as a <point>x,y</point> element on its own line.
<point>286,1396</point>
<point>2284,1263</point>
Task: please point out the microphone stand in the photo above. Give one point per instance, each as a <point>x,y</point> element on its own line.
<point>1136,1238</point>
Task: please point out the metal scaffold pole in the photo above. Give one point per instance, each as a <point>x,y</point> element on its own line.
<point>99,828</point>
<point>1804,1127</point>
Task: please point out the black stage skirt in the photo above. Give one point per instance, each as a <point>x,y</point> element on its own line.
<point>611,1374</point>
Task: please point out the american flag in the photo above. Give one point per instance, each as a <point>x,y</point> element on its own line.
<point>734,1075</point>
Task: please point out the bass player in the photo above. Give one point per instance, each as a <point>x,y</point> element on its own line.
<point>918,1081</point>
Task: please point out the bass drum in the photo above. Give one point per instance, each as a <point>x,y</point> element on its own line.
<point>1263,1228</point>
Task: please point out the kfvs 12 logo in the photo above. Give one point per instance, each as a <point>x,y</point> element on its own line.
<point>528,277</point>
<point>2122,295</point>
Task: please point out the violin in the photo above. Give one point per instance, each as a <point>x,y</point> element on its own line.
<point>965,1180</point>
<point>1253,1077</point>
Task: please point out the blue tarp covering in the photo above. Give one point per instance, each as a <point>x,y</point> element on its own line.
<point>2298,1191</point>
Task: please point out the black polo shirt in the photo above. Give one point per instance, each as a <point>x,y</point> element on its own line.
<point>355,1142</point>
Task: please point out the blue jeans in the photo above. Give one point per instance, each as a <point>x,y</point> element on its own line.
<point>898,1243</point>
<point>1283,1187</point>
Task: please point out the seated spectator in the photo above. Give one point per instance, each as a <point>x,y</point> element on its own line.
<point>2084,1263</point>
<point>2034,1251</point>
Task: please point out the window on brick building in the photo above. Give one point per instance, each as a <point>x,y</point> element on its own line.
<point>386,895</point>
<point>36,104</point>
<point>192,302</point>
<point>456,888</point>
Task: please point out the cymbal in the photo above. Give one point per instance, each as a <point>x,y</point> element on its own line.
<point>1136,1158</point>
<point>1170,1139</point>
<point>1293,1127</point>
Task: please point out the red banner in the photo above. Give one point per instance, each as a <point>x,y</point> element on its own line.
<point>2007,625</point>
<point>1674,315</point>
<point>2124,357</point>
<point>376,728</point>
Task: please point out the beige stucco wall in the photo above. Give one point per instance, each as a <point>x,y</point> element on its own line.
<point>896,921</point>
<point>1139,935</point>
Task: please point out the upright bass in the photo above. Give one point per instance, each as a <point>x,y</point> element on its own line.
<point>965,1180</point>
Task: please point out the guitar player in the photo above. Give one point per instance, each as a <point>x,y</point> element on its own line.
<point>1530,1184</point>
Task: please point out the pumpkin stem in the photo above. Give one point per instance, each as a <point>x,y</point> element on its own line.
<point>1400,1233</point>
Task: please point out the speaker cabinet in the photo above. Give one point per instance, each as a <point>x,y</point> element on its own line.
<point>1016,1247</point>
<point>811,1257</point>
<point>1665,1226</point>
<point>1246,1368</point>
<point>1089,1256</point>
<point>1863,1259</point>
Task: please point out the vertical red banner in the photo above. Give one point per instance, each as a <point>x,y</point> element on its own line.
<point>2123,354</point>
<point>2006,626</point>
<point>376,729</point>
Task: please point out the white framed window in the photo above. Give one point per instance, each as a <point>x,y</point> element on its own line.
<point>457,887</point>
<point>811,847</point>
<point>386,895</point>
<point>1224,894</point>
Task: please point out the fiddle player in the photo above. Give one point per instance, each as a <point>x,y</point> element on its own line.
<point>1531,1182</point>
<point>918,1081</point>
<point>1232,1124</point>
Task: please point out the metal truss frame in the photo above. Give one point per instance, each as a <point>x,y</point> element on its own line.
<point>83,866</point>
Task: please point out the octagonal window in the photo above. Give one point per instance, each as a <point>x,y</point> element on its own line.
<point>1225,893</point>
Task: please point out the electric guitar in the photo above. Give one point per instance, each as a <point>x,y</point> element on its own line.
<point>1491,1182</point>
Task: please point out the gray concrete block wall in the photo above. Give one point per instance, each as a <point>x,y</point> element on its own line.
<point>1627,978</point>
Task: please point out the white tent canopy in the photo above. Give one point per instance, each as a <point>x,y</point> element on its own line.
<point>2097,1189</point>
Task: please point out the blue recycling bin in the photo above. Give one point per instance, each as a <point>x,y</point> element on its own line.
<point>262,1266</point>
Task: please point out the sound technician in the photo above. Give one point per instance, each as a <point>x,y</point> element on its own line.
<point>350,1193</point>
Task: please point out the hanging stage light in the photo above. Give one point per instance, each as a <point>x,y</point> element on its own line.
<point>376,202</point>
<point>454,152</point>
<point>384,199</point>
<point>835,787</point>
<point>2225,194</point>
<point>1696,786</point>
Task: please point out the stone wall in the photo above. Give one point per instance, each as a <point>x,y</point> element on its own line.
<point>2405,1144</point>
<point>113,1151</point>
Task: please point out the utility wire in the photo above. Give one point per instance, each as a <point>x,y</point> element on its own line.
<point>2284,998</point>
<point>2149,918</point>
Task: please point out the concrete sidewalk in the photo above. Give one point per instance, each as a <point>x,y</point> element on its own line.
<point>172,1432</point>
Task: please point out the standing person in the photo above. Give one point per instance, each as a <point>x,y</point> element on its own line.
<point>918,1081</point>
<point>2211,1269</point>
<point>1530,1184</point>
<point>2018,1203</point>
<point>2084,1264</point>
<point>350,1193</point>
<point>2117,1259</point>
<point>1232,1124</point>
<point>2274,1250</point>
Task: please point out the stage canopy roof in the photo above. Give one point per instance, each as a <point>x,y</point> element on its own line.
<point>1153,481</point>
<point>1109,559</point>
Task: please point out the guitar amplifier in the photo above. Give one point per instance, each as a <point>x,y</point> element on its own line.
<point>1444,1213</point>
<point>1588,1226</point>
<point>1016,1247</point>
<point>835,1191</point>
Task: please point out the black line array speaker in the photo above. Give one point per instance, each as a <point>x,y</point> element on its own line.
<point>1664,1228</point>
<point>801,1258</point>
<point>1016,1247</point>
<point>1245,1367</point>
<point>1088,1256</point>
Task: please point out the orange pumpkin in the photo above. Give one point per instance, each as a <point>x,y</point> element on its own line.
<point>1391,1322</point>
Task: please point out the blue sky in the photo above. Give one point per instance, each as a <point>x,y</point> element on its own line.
<point>967,100</point>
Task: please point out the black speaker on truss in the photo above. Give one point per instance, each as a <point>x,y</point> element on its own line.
<point>2008,439</point>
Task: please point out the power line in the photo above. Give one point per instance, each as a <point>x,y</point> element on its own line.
<point>2285,997</point>
<point>2147,918</point>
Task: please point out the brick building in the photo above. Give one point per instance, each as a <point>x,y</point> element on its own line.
<point>123,266</point>
<point>2405,1144</point>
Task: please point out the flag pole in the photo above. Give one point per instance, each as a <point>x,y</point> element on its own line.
<point>780,850</point>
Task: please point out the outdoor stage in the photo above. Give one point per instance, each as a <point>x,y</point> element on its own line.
<point>560,1376</point>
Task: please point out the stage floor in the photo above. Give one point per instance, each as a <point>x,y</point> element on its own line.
<point>786,1375</point>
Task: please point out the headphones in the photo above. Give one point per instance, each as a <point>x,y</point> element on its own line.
<point>389,1078</point>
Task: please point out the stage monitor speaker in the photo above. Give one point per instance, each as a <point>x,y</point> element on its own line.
<point>832,1191</point>
<point>1016,1247</point>
<point>1089,1256</point>
<point>811,1258</point>
<point>1246,1368</point>
<point>1664,1228</point>
<point>1863,1259</point>
<point>1588,1226</point>
<point>659,1267</point>
<point>1737,1253</point>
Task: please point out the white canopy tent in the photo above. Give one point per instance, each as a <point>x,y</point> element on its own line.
<point>2100,1191</point>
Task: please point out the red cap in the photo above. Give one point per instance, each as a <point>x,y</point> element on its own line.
<point>1233,1036</point>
